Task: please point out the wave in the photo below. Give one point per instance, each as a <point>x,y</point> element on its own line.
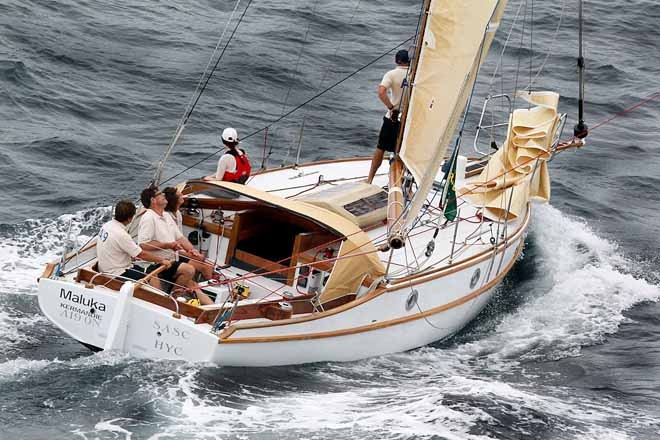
<point>478,388</point>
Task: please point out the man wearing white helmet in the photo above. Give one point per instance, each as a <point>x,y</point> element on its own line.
<point>234,165</point>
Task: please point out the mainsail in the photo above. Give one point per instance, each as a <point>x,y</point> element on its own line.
<point>456,39</point>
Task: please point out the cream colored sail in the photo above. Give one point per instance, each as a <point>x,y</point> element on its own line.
<point>518,171</point>
<point>456,39</point>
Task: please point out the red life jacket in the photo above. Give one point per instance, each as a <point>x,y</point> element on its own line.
<point>243,168</point>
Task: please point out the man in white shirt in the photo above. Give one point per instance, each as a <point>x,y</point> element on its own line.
<point>115,249</point>
<point>159,233</point>
<point>394,81</point>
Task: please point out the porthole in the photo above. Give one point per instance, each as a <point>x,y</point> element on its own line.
<point>412,300</point>
<point>475,278</point>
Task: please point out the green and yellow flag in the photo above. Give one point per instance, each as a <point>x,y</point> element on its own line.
<point>448,201</point>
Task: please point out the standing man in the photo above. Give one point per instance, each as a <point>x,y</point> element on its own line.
<point>234,165</point>
<point>159,233</point>
<point>115,249</point>
<point>394,82</point>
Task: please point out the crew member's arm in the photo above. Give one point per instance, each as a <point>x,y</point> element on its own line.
<point>382,94</point>
<point>127,244</point>
<point>155,245</point>
<point>148,256</point>
<point>223,165</point>
<point>189,248</point>
<point>146,232</point>
<point>186,245</point>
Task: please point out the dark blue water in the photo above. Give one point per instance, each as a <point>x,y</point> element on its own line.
<point>91,95</point>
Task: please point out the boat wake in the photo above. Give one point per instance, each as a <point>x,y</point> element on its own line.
<point>493,380</point>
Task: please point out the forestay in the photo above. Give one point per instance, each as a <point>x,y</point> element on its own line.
<point>518,171</point>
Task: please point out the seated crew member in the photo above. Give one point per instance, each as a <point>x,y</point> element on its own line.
<point>159,234</point>
<point>234,165</point>
<point>393,81</point>
<point>115,249</point>
<point>191,255</point>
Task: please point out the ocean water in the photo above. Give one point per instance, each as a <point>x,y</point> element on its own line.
<point>91,94</point>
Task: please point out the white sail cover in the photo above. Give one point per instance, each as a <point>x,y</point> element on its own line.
<point>457,37</point>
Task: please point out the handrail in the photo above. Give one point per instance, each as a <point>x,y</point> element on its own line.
<point>153,273</point>
<point>481,120</point>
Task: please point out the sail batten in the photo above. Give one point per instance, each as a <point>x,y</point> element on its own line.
<point>457,37</point>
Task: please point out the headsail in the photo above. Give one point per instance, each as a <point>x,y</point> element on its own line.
<point>457,37</point>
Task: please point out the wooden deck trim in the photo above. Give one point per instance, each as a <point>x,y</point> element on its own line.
<point>261,263</point>
<point>366,328</point>
<point>210,227</point>
<point>140,292</point>
<point>48,271</point>
<point>233,239</point>
<point>397,285</point>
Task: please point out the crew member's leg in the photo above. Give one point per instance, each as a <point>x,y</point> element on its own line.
<point>185,277</point>
<point>386,142</point>
<point>375,164</point>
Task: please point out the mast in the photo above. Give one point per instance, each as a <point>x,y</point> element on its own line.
<point>454,41</point>
<point>397,168</point>
<point>580,130</point>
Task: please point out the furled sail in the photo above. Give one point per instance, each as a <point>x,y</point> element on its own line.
<point>456,39</point>
<point>518,171</point>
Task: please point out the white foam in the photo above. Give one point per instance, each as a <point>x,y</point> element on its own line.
<point>24,255</point>
<point>13,330</point>
<point>582,287</point>
<point>17,367</point>
<point>109,425</point>
<point>581,292</point>
<point>381,411</point>
<point>577,299</point>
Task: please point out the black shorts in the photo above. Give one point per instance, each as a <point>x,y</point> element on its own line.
<point>389,132</point>
<point>134,273</point>
<point>168,275</point>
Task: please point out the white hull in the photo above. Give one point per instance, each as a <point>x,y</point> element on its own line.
<point>376,323</point>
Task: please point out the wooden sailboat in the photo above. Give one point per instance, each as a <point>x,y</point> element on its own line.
<point>316,265</point>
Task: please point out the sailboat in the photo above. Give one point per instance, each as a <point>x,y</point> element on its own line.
<point>313,263</point>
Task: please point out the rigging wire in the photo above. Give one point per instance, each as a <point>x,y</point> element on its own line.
<point>188,114</point>
<point>298,107</point>
<point>296,72</point>
<point>520,45</point>
<point>531,45</point>
<point>607,121</point>
<point>552,46</point>
<point>326,73</point>
<point>457,144</point>
<point>200,83</point>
